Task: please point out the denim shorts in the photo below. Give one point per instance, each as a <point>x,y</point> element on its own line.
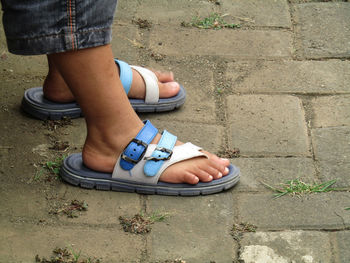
<point>35,27</point>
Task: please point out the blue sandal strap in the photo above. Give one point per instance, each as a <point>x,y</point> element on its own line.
<point>162,152</point>
<point>125,73</point>
<point>136,149</point>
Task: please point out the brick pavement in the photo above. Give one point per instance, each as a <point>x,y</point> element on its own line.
<point>277,89</point>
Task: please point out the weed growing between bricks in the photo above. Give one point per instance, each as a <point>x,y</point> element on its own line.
<point>142,23</point>
<point>229,153</point>
<point>298,187</point>
<point>60,146</point>
<point>65,255</point>
<point>52,125</point>
<point>213,21</point>
<point>239,229</point>
<point>50,170</point>
<point>141,224</point>
<point>71,209</point>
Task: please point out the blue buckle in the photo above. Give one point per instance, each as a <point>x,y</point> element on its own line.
<point>138,142</point>
<point>162,149</point>
<point>137,147</point>
<point>161,153</point>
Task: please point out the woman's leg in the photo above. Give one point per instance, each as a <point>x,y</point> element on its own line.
<point>110,119</point>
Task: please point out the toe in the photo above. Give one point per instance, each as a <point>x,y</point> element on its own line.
<point>164,76</point>
<point>204,176</point>
<point>216,174</point>
<point>190,178</point>
<point>169,89</point>
<point>218,163</point>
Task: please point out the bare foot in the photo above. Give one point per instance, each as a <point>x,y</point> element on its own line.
<point>191,171</point>
<point>56,89</point>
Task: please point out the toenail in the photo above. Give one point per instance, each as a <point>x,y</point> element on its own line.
<point>224,159</point>
<point>210,177</point>
<point>219,175</point>
<point>226,170</point>
<point>173,85</point>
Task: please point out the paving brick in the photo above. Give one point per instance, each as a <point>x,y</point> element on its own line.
<point>271,127</point>
<point>324,29</point>
<point>286,246</point>
<point>343,244</point>
<point>252,12</point>
<point>311,1</point>
<point>194,227</point>
<point>198,81</point>
<point>19,136</point>
<point>126,43</point>
<point>317,211</point>
<point>25,67</point>
<point>21,242</point>
<point>173,12</point>
<point>258,13</point>
<point>75,134</point>
<point>303,77</point>
<point>126,10</point>
<point>228,42</point>
<point>331,111</point>
<point>103,207</point>
<point>332,151</point>
<point>21,162</point>
<point>267,125</point>
<point>272,171</point>
<point>15,205</point>
<point>209,137</point>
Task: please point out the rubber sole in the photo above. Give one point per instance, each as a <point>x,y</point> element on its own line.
<point>74,172</point>
<point>36,105</point>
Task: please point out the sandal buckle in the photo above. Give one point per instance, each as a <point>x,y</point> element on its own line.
<point>130,160</point>
<point>156,159</point>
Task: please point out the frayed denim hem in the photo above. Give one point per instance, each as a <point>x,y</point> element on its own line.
<point>60,42</point>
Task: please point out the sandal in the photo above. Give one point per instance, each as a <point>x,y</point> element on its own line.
<point>36,105</point>
<point>140,165</point>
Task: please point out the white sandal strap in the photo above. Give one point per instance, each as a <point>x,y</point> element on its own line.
<point>180,153</point>
<point>151,81</point>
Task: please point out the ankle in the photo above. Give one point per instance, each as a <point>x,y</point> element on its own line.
<point>98,160</point>
<point>103,146</point>
<point>55,89</point>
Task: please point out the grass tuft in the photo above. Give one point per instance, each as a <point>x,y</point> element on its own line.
<point>50,168</point>
<point>65,255</point>
<point>213,21</point>
<point>158,217</point>
<point>298,187</point>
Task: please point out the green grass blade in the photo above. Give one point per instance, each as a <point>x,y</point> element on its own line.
<point>272,188</point>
